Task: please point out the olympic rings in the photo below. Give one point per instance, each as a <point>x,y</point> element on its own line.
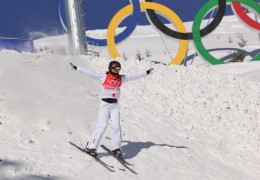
<point>243,16</point>
<point>136,7</point>
<point>123,35</point>
<point>174,18</point>
<point>197,23</point>
<point>188,36</point>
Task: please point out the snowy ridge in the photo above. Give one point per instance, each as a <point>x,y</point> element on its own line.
<point>197,103</point>
<point>183,122</point>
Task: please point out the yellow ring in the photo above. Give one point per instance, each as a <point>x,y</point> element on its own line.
<point>173,17</point>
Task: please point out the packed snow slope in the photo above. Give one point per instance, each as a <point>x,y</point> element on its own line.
<point>180,123</point>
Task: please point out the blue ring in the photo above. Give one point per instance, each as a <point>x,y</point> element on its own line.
<point>124,34</point>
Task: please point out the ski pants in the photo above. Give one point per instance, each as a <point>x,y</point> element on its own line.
<point>107,111</point>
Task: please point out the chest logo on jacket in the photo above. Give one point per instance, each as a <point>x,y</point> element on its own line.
<point>112,83</point>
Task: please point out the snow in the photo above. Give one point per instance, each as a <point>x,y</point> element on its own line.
<point>195,122</point>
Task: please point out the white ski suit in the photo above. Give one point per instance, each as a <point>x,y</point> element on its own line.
<point>111,90</point>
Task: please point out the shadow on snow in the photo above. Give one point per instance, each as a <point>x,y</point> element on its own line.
<point>133,148</point>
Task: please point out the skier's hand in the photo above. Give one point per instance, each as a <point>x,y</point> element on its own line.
<point>149,71</point>
<point>73,66</point>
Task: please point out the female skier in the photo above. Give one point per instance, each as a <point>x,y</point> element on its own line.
<point>109,106</point>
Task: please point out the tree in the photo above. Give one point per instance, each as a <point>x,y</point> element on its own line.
<point>139,56</point>
<point>230,40</point>
<point>124,56</point>
<point>148,53</point>
<point>242,41</point>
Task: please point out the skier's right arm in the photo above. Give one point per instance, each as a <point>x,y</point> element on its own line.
<point>88,72</point>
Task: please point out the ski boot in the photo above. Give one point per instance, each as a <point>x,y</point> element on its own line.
<point>117,153</point>
<point>92,152</point>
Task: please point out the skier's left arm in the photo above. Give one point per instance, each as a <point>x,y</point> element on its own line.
<point>130,77</point>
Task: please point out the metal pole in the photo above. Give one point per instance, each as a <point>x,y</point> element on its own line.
<point>76,27</point>
<point>81,26</point>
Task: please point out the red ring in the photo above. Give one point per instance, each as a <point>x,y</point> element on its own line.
<point>243,16</point>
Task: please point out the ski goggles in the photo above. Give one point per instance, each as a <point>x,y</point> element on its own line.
<point>115,66</point>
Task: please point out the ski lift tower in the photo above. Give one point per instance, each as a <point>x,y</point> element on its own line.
<point>76,27</point>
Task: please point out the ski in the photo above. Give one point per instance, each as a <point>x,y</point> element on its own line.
<point>120,160</point>
<point>95,157</point>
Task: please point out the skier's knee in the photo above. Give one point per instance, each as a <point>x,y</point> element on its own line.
<point>102,127</point>
<point>116,128</point>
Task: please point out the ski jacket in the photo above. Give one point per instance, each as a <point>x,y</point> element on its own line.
<point>110,86</point>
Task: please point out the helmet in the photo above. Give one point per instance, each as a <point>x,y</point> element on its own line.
<point>114,65</point>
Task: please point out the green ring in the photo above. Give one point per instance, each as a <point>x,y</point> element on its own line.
<point>197,23</point>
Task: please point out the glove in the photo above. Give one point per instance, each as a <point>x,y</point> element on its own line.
<point>149,71</point>
<point>73,66</point>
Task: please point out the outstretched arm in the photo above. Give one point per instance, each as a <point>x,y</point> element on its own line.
<point>130,77</point>
<point>89,73</point>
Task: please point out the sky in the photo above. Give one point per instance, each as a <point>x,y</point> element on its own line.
<point>198,121</point>
<point>33,16</point>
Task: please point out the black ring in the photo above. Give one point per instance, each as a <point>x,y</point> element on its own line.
<point>188,36</point>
